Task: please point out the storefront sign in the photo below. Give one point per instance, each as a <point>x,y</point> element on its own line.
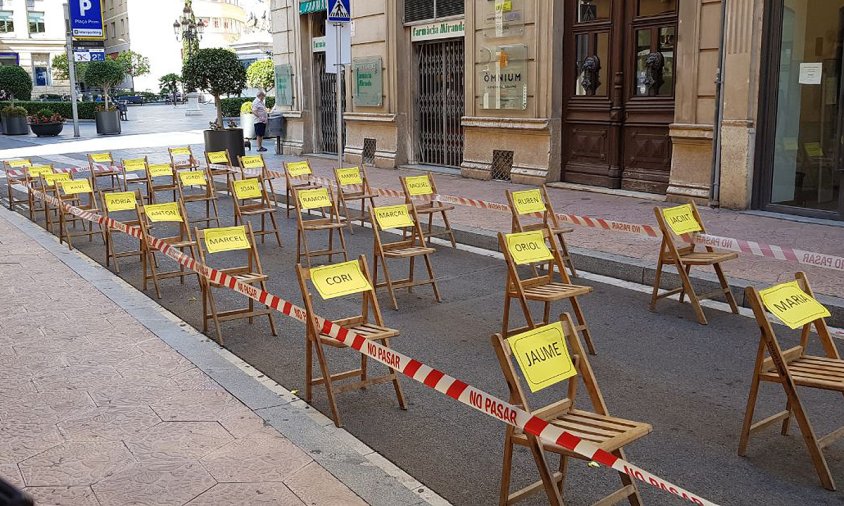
<point>318,44</point>
<point>504,18</point>
<point>434,31</point>
<point>369,87</point>
<point>284,84</point>
<point>503,77</point>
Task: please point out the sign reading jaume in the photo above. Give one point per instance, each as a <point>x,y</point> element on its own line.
<point>439,30</point>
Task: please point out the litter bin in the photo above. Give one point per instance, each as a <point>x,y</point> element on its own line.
<point>275,128</point>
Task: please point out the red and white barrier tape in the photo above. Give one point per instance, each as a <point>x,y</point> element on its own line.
<point>433,378</point>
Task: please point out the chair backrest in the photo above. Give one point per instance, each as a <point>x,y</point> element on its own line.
<point>314,199</point>
<point>585,374</point>
<point>134,166</point>
<point>353,278</point>
<point>250,192</point>
<point>250,164</point>
<point>418,186</point>
<point>34,172</point>
<point>770,338</point>
<point>678,221</point>
<point>170,212</point>
<point>115,203</point>
<point>160,170</point>
<point>402,217</point>
<point>49,180</point>
<point>525,204</point>
<point>15,165</point>
<point>211,241</point>
<point>218,158</point>
<point>195,183</point>
<point>103,159</point>
<point>298,171</point>
<point>533,248</point>
<point>182,158</point>
<point>77,189</point>
<point>352,180</point>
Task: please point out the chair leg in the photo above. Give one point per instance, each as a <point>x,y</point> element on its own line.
<point>634,499</point>
<point>389,284</point>
<point>309,370</point>
<point>506,467</point>
<point>434,285</point>
<point>683,291</point>
<point>410,274</point>
<point>449,230</point>
<point>343,245</point>
<point>693,299</point>
<point>581,320</point>
<point>396,384</point>
<point>212,303</point>
<point>657,278</point>
<point>330,245</point>
<point>329,387</point>
<point>728,294</point>
<point>751,401</point>
<point>275,228</point>
<point>569,262</point>
<point>551,490</point>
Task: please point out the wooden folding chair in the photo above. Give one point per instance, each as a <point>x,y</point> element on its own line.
<point>17,165</point>
<point>33,180</point>
<point>424,188</point>
<point>116,205</point>
<point>102,165</point>
<point>524,204</point>
<point>686,257</point>
<point>544,288</point>
<point>251,199</point>
<point>198,186</point>
<point>318,199</point>
<point>181,158</point>
<point>411,245</point>
<point>162,178</point>
<point>218,240</point>
<point>369,324</point>
<point>152,216</point>
<point>135,175</point>
<point>298,176</point>
<point>609,433</point>
<point>48,184</point>
<point>252,163</point>
<point>80,194</point>
<point>794,368</point>
<point>353,186</point>
<point>220,164</point>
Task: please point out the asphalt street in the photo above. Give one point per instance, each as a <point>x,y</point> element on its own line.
<point>689,381</point>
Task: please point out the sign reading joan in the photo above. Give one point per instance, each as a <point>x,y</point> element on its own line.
<point>543,356</point>
<point>369,81</point>
<point>791,305</point>
<point>503,77</point>
<point>86,19</point>
<point>284,84</point>
<point>246,189</point>
<point>439,30</point>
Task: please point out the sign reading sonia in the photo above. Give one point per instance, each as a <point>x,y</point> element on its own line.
<point>791,305</point>
<point>339,279</point>
<point>528,247</point>
<point>681,219</point>
<point>543,356</point>
<point>226,239</point>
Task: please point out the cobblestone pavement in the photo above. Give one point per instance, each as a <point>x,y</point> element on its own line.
<point>98,410</point>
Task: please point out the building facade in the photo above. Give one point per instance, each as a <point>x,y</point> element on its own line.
<point>32,33</point>
<point>618,94</point>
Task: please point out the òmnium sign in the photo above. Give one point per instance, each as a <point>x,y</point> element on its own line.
<point>440,30</point>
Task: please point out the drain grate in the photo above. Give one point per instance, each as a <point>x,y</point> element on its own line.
<point>502,165</point>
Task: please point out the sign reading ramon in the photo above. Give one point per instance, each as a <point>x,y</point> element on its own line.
<point>86,19</point>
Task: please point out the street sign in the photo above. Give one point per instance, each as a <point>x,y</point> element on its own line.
<point>86,19</point>
<point>339,11</point>
<point>86,54</point>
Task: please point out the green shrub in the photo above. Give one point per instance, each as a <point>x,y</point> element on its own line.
<point>14,111</point>
<point>86,109</point>
<point>231,106</point>
<point>15,82</point>
<point>218,72</point>
<point>105,75</point>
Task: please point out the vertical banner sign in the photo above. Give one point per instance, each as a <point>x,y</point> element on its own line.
<point>284,84</point>
<point>369,87</point>
<point>86,19</point>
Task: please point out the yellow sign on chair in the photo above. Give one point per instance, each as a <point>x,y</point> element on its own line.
<point>218,157</point>
<point>134,165</point>
<point>252,162</point>
<point>120,201</point>
<point>160,169</point>
<point>528,247</point>
<point>185,151</point>
<point>529,201</point>
<point>314,199</point>
<point>75,187</point>
<point>389,217</point>
<point>419,185</point>
<point>160,213</point>
<point>247,189</point>
<point>17,164</point>
<point>52,179</point>
<point>543,356</point>
<point>193,178</point>
<point>339,279</point>
<point>226,239</point>
<point>681,219</point>
<point>299,169</point>
<point>39,170</point>
<point>349,176</point>
<point>101,157</point>
<point>791,305</point>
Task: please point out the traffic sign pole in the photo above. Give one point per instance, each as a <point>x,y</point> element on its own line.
<point>71,73</point>
<point>339,13</point>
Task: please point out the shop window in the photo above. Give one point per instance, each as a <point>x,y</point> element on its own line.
<point>422,10</point>
<point>593,10</point>
<point>36,22</point>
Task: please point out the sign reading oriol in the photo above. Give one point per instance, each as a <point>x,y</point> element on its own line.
<point>543,356</point>
<point>791,305</point>
<point>528,247</point>
<point>339,279</point>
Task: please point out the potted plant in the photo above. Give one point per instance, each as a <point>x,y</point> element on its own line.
<point>106,75</point>
<point>247,120</point>
<point>15,83</point>
<point>46,123</point>
<point>217,71</point>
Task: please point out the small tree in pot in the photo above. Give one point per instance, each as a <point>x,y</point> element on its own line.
<point>106,75</point>
<point>218,72</point>
<point>15,84</point>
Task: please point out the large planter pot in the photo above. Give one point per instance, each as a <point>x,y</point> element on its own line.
<point>108,122</point>
<point>47,129</point>
<point>247,123</point>
<point>220,140</point>
<point>15,125</point>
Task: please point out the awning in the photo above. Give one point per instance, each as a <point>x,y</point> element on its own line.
<point>309,6</point>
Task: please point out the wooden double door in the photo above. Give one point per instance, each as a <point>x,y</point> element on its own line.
<point>619,80</point>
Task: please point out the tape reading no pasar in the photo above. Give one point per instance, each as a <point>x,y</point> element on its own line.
<point>791,305</point>
<point>543,356</point>
<point>339,279</point>
<point>529,202</point>
<point>681,219</point>
<point>218,240</point>
<point>528,247</point>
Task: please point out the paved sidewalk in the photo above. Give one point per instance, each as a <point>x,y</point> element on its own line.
<point>96,409</point>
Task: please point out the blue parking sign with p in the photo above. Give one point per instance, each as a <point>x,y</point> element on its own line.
<point>339,11</point>
<point>86,19</point>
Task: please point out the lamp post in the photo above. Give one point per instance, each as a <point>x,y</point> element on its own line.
<point>189,31</point>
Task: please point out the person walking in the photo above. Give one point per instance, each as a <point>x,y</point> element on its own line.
<point>260,112</point>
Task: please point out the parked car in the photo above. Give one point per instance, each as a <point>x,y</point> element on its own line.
<point>131,99</point>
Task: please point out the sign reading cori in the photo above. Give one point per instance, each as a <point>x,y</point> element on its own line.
<point>441,30</point>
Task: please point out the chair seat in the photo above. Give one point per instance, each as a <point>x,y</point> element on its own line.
<point>133,177</point>
<point>368,330</point>
<point>706,257</point>
<point>553,292</point>
<point>408,252</point>
<point>254,211</point>
<point>358,195</point>
<point>607,432</point>
<point>810,371</point>
<point>305,185</point>
<point>432,207</point>
<point>324,223</point>
<point>175,243</point>
<point>557,231</point>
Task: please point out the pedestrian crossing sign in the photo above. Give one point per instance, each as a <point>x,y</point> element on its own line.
<point>339,11</point>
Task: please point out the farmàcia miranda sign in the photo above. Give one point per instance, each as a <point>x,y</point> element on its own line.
<point>439,30</point>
